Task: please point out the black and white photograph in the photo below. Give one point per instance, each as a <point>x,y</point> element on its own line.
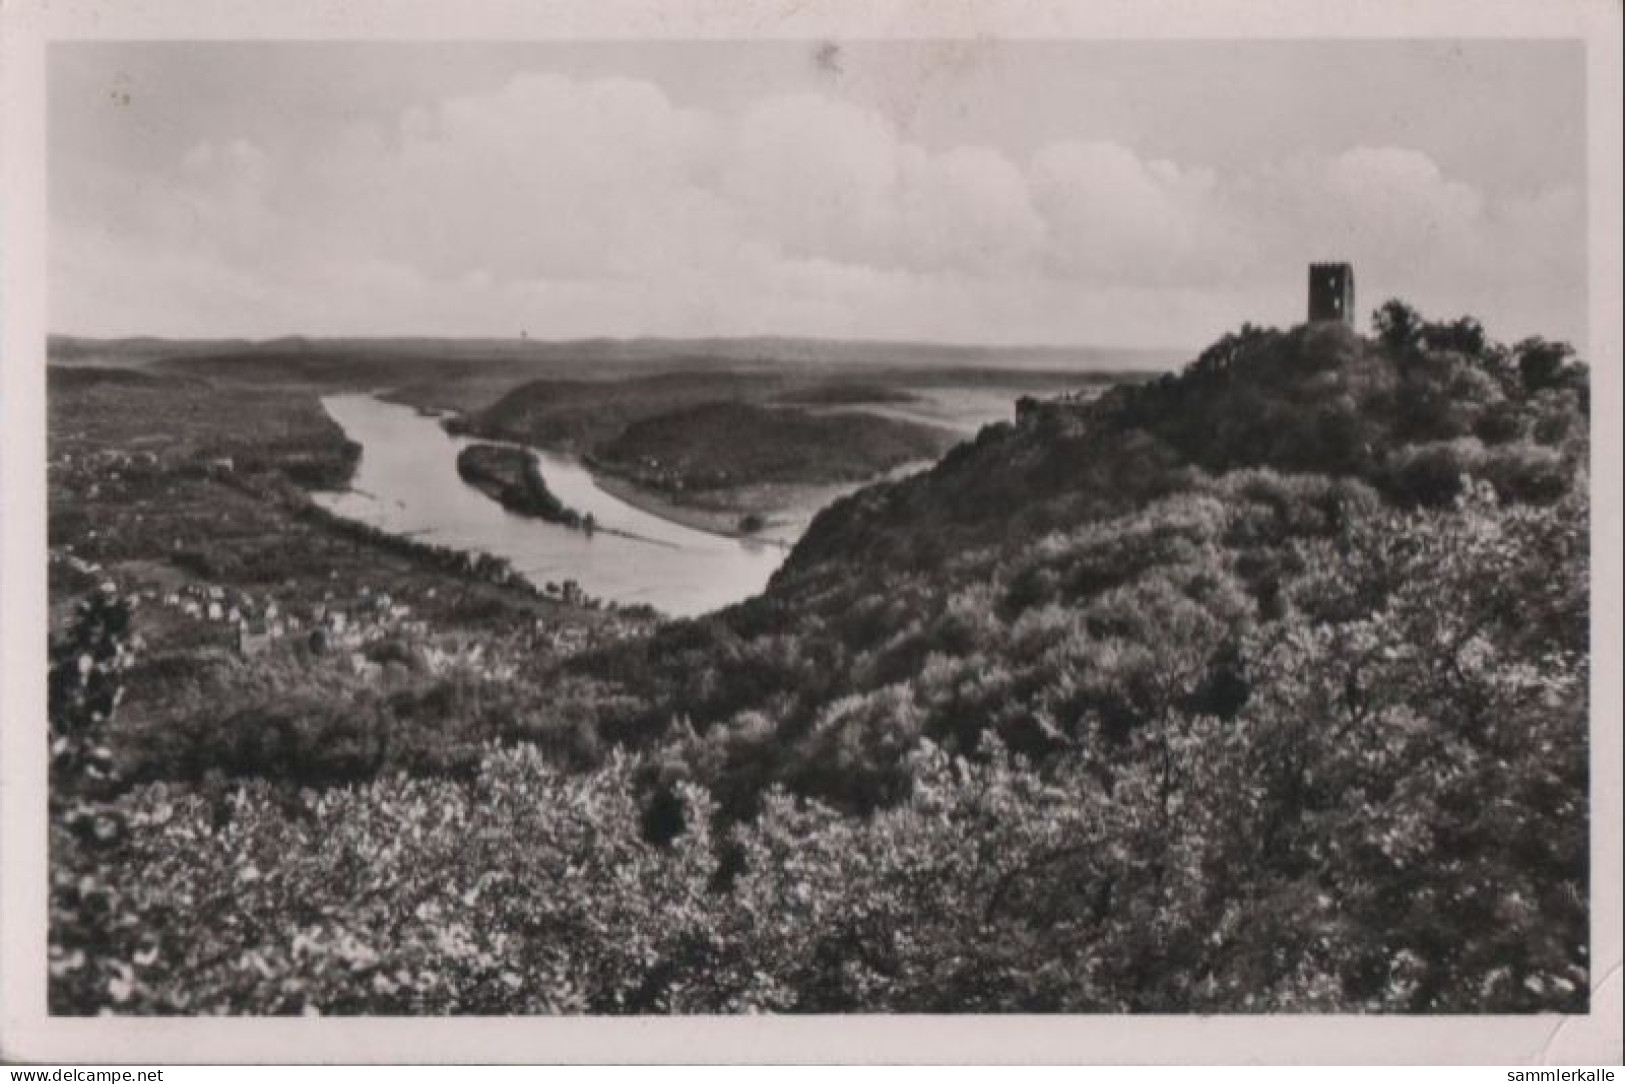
<point>819,524</point>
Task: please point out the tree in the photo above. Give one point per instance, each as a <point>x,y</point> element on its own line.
<point>1398,326</point>
<point>1544,364</point>
<point>1464,335</point>
<point>85,687</point>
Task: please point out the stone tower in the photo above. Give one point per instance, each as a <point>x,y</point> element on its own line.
<point>1331,292</point>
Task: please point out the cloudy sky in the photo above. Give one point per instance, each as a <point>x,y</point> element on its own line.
<point>1111,193</point>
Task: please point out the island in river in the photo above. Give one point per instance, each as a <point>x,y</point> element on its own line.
<point>511,477</point>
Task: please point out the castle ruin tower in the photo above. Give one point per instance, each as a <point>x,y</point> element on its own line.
<point>1331,292</point>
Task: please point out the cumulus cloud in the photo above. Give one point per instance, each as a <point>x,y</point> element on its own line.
<point>580,207</point>
<point>1117,216</point>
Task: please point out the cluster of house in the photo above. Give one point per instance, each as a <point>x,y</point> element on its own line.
<point>369,616</point>
<point>344,626</point>
<point>254,622</point>
<point>257,623</point>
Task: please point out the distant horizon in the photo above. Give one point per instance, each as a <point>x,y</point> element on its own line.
<point>383,337</point>
<point>1361,326</point>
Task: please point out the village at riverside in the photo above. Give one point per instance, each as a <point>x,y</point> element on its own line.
<point>1255,684</point>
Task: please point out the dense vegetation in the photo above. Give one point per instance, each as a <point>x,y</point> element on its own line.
<point>579,415</point>
<point>510,476</point>
<point>1258,688</point>
<point>721,444</point>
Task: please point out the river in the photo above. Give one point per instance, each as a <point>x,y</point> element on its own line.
<point>407,483</point>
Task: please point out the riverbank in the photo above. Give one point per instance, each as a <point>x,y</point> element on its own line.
<point>784,510</point>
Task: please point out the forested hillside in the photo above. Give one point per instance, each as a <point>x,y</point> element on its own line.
<point>718,444</point>
<point>701,430</point>
<point>1261,687</point>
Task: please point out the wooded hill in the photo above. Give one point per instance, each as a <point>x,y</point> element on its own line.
<point>1261,687</point>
